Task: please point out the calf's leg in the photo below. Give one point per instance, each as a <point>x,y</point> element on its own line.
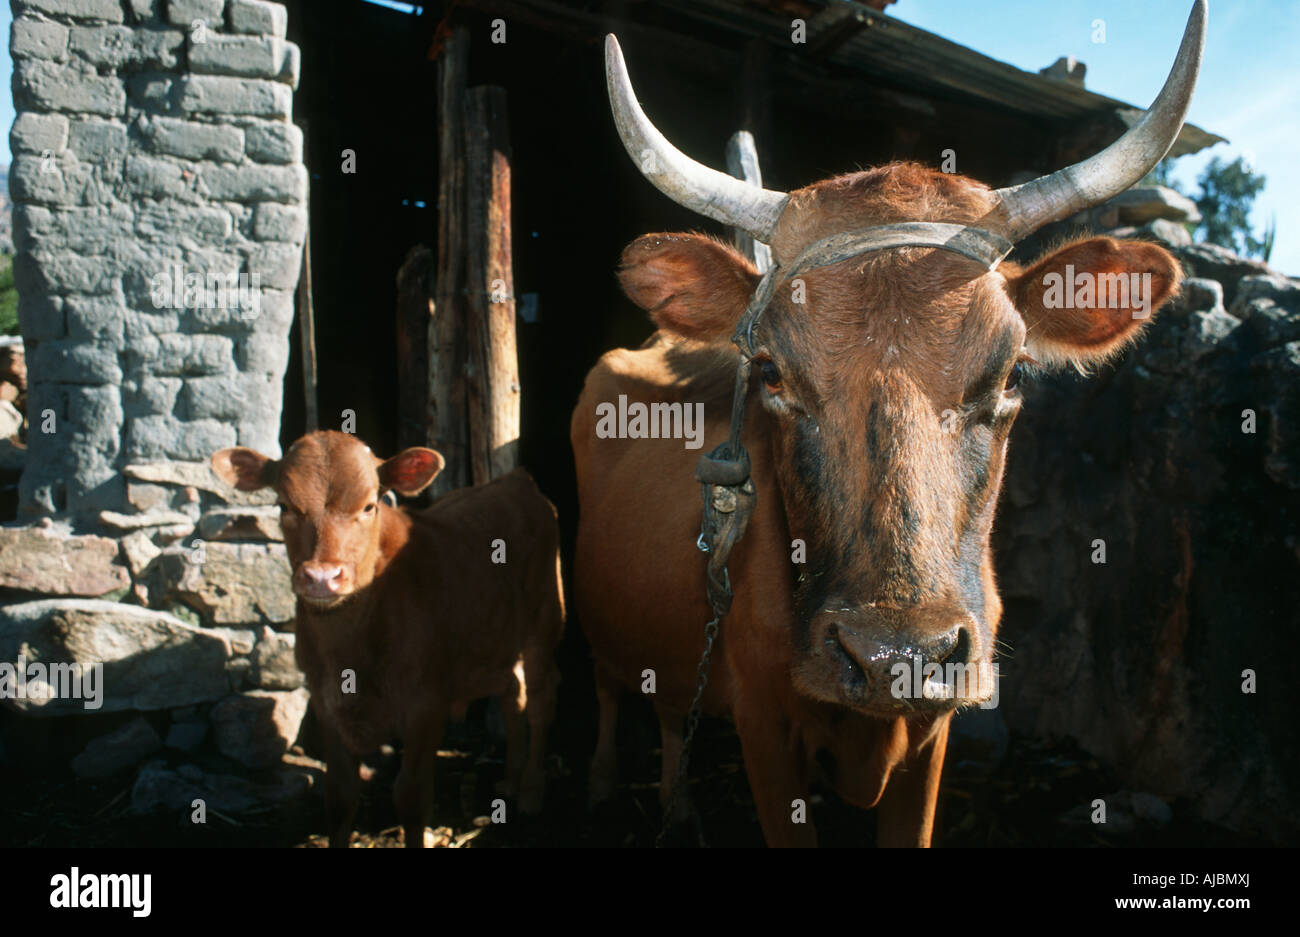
<point>542,679</point>
<point>413,791</point>
<point>342,788</point>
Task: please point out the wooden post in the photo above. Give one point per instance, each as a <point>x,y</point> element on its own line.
<point>414,319</point>
<point>742,162</point>
<point>446,416</point>
<point>492,376</point>
<point>307,334</point>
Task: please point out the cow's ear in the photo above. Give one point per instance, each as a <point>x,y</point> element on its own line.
<point>1087,300</point>
<point>245,469</point>
<point>690,284</point>
<point>411,470</point>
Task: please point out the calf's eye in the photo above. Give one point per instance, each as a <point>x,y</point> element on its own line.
<point>1013,379</point>
<point>369,509</point>
<point>770,374</point>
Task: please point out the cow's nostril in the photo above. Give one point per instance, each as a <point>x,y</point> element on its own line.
<point>961,654</point>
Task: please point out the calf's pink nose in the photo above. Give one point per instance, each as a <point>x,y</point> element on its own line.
<point>322,575</point>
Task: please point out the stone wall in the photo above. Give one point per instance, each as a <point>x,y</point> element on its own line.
<point>1167,661</point>
<point>155,168</point>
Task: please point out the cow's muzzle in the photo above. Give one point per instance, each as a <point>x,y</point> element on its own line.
<point>896,661</point>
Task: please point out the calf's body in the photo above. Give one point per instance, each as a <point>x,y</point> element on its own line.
<point>404,617</point>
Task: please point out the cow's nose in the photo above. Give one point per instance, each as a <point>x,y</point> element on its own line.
<point>324,577</point>
<point>886,652</point>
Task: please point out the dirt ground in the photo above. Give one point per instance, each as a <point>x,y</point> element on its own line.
<point>1024,802</point>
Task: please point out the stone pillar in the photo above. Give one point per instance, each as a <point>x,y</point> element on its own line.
<point>159,214</point>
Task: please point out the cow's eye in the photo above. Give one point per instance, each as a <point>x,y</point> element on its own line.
<point>370,509</point>
<point>1013,379</point>
<point>770,374</point>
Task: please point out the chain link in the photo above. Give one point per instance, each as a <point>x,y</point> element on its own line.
<point>692,723</point>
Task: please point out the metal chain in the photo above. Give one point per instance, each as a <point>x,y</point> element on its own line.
<point>692,723</point>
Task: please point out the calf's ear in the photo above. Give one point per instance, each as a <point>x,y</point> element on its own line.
<point>1087,300</point>
<point>245,469</point>
<point>690,284</point>
<point>410,471</point>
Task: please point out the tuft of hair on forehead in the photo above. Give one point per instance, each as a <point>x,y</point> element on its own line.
<point>330,466</point>
<point>894,192</point>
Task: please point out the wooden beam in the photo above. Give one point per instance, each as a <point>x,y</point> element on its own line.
<point>446,416</point>
<point>414,315</point>
<point>742,162</point>
<point>307,334</point>
<point>492,379</point>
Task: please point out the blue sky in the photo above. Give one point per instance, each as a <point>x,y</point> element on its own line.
<point>1249,90</point>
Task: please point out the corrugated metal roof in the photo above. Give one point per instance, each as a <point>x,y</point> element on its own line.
<point>845,33</point>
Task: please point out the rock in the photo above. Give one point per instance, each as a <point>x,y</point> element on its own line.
<point>169,519</point>
<point>53,561</point>
<point>151,660</point>
<point>1213,262</point>
<point>274,667</point>
<point>118,750</point>
<point>1143,203</point>
<point>187,736</point>
<point>246,523</point>
<point>1140,660</point>
<point>139,549</point>
<point>230,583</point>
<point>196,475</point>
<point>257,728</point>
<point>158,787</point>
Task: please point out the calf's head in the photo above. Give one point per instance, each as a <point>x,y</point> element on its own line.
<point>890,380</point>
<point>329,487</point>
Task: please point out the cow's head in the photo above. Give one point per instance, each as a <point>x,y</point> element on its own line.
<point>329,485</point>
<point>891,379</point>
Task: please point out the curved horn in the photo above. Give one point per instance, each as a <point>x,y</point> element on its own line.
<point>688,183</point>
<point>1026,208</point>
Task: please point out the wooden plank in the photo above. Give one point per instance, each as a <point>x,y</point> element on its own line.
<point>307,334</point>
<point>492,379</point>
<point>446,416</point>
<point>742,162</point>
<point>414,314</point>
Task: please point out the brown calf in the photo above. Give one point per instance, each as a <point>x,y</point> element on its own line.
<point>884,386</point>
<point>404,617</point>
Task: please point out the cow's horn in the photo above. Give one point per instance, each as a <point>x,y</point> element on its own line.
<point>1025,208</point>
<point>688,183</point>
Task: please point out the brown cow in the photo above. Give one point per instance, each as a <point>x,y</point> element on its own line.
<point>404,617</point>
<point>884,389</point>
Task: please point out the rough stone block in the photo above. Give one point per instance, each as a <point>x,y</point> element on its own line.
<point>39,133</point>
<point>247,523</point>
<point>275,222</point>
<point>118,750</point>
<point>274,667</point>
<point>53,561</point>
<point>275,264</point>
<point>257,727</point>
<point>185,12</point>
<point>97,141</point>
<point>151,660</point>
<point>245,56</point>
<point>256,183</point>
<point>274,142</point>
<point>74,87</point>
<point>217,94</point>
<point>105,11</point>
<point>124,46</point>
<point>257,16</point>
<point>38,39</point>
<point>94,319</point>
<point>190,140</point>
<point>71,362</point>
<point>235,584</point>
